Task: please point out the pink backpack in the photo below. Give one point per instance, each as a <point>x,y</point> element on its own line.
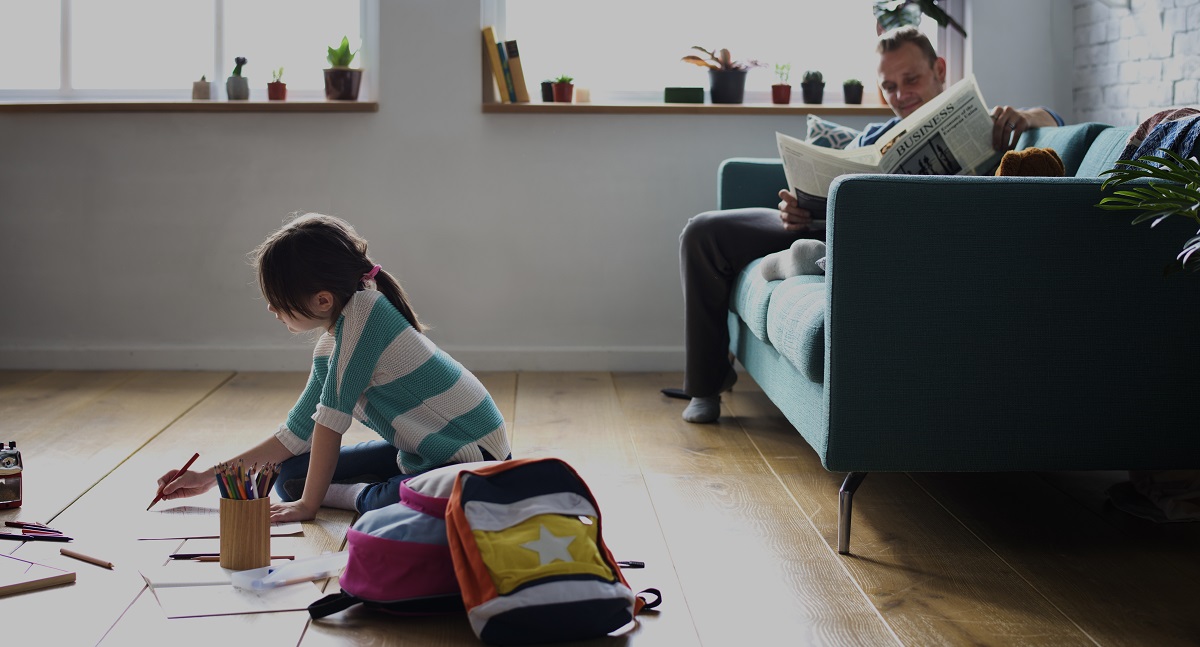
<point>399,558</point>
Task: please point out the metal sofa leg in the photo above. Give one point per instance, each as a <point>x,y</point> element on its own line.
<point>845,502</point>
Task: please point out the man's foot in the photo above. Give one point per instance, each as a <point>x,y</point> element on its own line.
<point>703,410</point>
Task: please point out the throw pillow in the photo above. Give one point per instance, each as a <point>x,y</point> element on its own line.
<point>822,132</point>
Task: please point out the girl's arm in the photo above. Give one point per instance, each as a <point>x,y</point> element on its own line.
<point>326,445</point>
<point>175,485</point>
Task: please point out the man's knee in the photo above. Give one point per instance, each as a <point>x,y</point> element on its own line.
<point>702,229</point>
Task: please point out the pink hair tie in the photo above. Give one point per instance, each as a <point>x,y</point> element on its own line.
<point>368,279</point>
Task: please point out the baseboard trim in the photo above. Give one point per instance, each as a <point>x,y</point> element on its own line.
<point>618,358</point>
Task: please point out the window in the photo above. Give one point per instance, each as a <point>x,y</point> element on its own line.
<point>150,49</point>
<point>629,50</point>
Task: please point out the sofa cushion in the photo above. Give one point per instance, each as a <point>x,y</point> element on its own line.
<point>1105,151</point>
<point>822,132</point>
<point>1070,142</point>
<point>796,323</point>
<point>751,295</point>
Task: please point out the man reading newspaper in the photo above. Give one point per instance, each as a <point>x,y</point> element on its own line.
<point>716,245</point>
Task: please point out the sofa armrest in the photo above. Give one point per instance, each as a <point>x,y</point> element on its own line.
<point>991,323</point>
<point>749,182</point>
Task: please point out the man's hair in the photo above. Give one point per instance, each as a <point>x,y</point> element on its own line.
<point>894,39</point>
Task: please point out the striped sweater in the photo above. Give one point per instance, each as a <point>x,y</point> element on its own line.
<point>378,369</point>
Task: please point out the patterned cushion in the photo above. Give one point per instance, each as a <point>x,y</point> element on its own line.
<point>828,134</point>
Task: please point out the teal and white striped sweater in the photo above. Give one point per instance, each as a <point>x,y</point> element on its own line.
<point>378,369</point>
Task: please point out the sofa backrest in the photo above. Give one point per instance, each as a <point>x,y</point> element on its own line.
<point>1072,142</point>
<point>1105,151</point>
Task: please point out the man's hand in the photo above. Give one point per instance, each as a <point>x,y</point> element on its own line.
<point>794,218</point>
<point>1008,123</point>
<point>293,511</point>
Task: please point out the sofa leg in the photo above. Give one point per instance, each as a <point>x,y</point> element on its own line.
<point>845,502</point>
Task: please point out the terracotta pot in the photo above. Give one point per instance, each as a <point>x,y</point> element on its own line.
<point>726,86</point>
<point>277,91</point>
<point>342,83</point>
<point>781,93</point>
<point>563,92</point>
<point>852,93</point>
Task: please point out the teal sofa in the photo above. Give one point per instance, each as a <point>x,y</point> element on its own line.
<point>977,323</point>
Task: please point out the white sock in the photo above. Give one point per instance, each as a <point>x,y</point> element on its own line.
<point>343,495</point>
<point>703,410</point>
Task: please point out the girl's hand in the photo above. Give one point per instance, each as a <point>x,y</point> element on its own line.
<point>292,511</point>
<point>176,485</point>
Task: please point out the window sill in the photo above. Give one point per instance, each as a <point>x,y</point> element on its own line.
<point>188,106</point>
<point>868,110</point>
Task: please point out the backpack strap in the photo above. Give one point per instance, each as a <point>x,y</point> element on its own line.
<point>645,604</point>
<point>331,604</point>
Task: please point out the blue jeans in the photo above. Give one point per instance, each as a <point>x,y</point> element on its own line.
<point>372,462</point>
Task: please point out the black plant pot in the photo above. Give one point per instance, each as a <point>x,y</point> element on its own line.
<point>727,86</point>
<point>813,92</point>
<point>853,93</point>
<point>341,83</point>
<point>547,91</point>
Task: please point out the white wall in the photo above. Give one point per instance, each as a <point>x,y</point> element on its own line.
<point>527,241</point>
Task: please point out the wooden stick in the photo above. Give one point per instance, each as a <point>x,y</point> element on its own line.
<point>85,558</point>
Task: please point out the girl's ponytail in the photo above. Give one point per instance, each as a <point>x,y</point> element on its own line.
<point>390,288</point>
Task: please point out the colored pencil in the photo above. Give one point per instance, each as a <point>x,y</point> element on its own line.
<point>158,497</point>
<point>85,558</point>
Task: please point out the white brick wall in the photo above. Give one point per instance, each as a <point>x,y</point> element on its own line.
<point>1133,62</point>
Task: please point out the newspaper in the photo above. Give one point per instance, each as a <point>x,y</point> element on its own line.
<point>949,135</point>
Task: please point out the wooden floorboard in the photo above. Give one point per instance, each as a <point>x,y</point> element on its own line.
<point>736,522</point>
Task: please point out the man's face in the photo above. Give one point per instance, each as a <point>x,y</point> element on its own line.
<point>908,80</point>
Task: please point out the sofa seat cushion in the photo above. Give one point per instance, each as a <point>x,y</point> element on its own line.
<point>1070,142</point>
<point>796,323</point>
<point>1105,151</point>
<point>751,295</point>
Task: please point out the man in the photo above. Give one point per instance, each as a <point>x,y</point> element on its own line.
<point>716,245</point>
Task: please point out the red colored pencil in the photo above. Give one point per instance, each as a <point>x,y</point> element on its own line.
<point>158,497</point>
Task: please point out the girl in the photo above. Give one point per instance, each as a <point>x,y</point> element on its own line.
<point>371,363</point>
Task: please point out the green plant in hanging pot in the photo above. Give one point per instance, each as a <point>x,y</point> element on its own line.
<point>237,87</point>
<point>341,81</point>
<point>1171,188</point>
<point>727,77</point>
<point>812,87</point>
<point>890,14</point>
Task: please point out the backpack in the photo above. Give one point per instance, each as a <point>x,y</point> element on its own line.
<point>399,560</point>
<point>529,554</point>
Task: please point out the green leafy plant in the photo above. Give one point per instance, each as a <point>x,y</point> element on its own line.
<point>852,83</point>
<point>783,71</point>
<point>1172,188</point>
<point>813,76</point>
<point>719,59</point>
<point>277,76</point>
<point>563,78</point>
<point>238,63</point>
<point>341,56</point>
<point>891,14</point>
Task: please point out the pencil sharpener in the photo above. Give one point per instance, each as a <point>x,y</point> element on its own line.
<point>10,476</point>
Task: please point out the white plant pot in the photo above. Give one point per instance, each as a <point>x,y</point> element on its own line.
<point>237,88</point>
<point>202,90</point>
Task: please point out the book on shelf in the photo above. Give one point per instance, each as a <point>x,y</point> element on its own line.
<point>518,73</point>
<point>508,81</point>
<point>493,49</point>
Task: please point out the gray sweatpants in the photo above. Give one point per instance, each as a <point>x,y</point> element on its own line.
<point>713,248</point>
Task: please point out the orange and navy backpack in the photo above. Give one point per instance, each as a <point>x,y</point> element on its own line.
<point>528,549</point>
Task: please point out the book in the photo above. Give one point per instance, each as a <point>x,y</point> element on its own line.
<point>518,73</point>
<point>19,575</point>
<point>508,82</point>
<point>492,50</point>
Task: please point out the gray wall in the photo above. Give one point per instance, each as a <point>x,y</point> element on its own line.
<point>1133,61</point>
<point>527,241</point>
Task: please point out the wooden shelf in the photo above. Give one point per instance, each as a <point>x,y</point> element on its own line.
<point>869,110</point>
<point>188,106</point>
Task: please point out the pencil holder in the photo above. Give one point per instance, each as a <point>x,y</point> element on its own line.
<point>245,533</point>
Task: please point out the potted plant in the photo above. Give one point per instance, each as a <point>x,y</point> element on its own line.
<point>277,89</point>
<point>237,87</point>
<point>852,90</point>
<point>782,92</point>
<point>342,82</point>
<point>727,77</point>
<point>548,91</point>
<point>202,89</point>
<point>890,14</point>
<point>563,89</point>
<point>1172,189</point>
<point>813,87</point>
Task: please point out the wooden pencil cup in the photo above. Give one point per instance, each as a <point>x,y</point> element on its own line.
<point>245,533</point>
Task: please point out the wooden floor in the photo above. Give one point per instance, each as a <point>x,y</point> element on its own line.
<point>735,521</point>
